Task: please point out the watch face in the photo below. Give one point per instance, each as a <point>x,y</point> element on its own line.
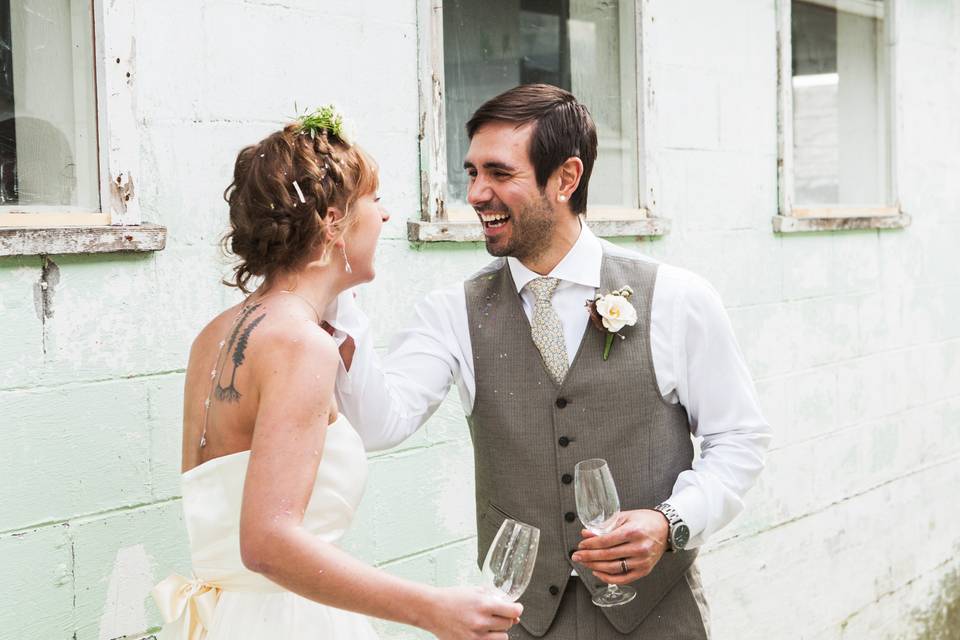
<point>681,536</point>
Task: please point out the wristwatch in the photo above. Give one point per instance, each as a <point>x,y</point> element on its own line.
<point>679,531</point>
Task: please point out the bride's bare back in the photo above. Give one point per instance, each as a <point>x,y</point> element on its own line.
<point>229,364</point>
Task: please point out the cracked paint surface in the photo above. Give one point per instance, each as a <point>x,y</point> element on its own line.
<point>853,338</point>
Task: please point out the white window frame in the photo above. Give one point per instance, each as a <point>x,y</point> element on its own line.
<point>118,225</point>
<point>792,218</point>
<point>439,222</point>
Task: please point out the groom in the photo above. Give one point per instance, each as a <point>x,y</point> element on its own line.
<point>540,396</point>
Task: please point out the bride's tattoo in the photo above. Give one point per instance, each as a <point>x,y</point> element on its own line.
<point>238,345</point>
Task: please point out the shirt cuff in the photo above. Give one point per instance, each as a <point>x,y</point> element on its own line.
<point>689,503</point>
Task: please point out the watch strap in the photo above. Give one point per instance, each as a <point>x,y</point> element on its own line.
<point>673,520</point>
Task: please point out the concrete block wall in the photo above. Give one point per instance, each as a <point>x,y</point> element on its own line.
<point>853,338</point>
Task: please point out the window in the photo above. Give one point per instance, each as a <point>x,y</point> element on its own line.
<point>580,45</point>
<point>471,51</point>
<point>48,124</point>
<point>65,177</point>
<point>48,111</point>
<point>835,119</point>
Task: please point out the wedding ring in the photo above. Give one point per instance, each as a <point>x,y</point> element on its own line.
<point>623,566</point>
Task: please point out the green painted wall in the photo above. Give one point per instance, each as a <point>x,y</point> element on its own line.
<point>853,337</point>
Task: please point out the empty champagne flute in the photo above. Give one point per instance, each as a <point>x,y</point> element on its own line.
<point>598,506</point>
<point>511,557</point>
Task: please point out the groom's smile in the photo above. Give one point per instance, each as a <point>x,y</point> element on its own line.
<point>496,230</point>
<point>494,220</point>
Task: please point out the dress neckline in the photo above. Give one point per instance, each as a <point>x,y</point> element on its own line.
<point>213,462</point>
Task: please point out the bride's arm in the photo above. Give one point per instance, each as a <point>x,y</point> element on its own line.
<point>295,377</point>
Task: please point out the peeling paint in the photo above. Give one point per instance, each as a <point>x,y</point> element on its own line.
<point>44,288</point>
<point>121,192</point>
<point>120,46</point>
<point>124,612</point>
<point>70,240</point>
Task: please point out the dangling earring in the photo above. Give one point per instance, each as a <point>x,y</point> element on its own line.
<point>346,263</point>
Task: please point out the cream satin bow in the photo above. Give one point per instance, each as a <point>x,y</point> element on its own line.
<point>190,603</point>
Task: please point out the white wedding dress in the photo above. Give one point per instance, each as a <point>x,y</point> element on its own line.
<point>226,601</point>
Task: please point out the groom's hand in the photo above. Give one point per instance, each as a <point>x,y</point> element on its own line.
<point>346,349</point>
<point>639,540</point>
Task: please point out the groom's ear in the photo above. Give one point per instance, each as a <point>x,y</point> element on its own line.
<point>568,177</point>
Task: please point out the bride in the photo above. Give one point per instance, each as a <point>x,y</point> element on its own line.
<point>271,474</point>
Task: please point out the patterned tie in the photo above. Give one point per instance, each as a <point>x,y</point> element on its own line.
<point>546,329</point>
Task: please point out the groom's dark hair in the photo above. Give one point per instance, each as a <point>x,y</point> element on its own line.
<point>562,128</point>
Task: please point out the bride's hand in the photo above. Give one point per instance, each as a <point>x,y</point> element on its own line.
<point>472,613</point>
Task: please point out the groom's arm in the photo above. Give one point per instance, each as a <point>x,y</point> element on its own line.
<point>716,389</point>
<point>387,399</point>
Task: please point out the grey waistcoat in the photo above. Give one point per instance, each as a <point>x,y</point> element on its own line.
<point>528,434</point>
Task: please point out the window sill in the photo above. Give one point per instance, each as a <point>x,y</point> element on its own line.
<point>27,241</point>
<point>793,224</point>
<point>471,231</point>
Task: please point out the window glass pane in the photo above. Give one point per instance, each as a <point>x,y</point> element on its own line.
<point>839,120</point>
<point>585,46</point>
<point>48,128</point>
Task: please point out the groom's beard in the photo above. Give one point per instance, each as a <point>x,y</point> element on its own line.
<point>531,230</point>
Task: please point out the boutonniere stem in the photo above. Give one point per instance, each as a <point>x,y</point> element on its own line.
<point>610,313</point>
<point>607,343</point>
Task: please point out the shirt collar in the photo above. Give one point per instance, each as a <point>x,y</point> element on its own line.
<point>581,265</point>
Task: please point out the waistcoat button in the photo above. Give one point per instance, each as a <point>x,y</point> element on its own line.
<point>554,589</point>
<point>561,403</point>
<point>566,478</point>
<point>569,516</point>
<point>563,441</point>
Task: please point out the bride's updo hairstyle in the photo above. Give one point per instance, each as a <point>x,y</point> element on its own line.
<point>281,189</point>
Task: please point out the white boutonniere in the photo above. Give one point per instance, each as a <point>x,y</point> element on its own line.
<point>612,312</point>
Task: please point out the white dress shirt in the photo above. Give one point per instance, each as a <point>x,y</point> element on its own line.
<point>696,359</point>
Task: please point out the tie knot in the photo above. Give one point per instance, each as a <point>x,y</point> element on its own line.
<point>543,288</point>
